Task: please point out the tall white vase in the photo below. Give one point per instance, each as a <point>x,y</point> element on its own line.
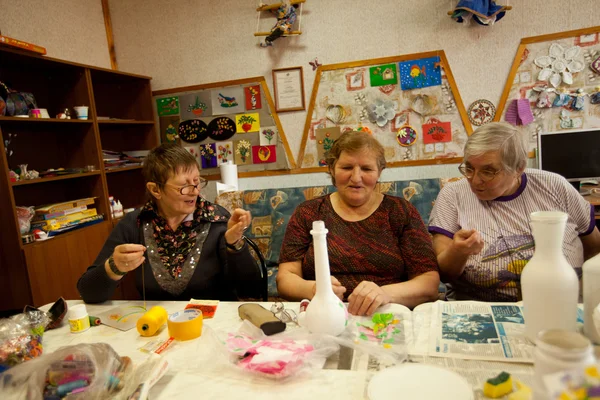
<point>549,283</point>
<point>325,313</point>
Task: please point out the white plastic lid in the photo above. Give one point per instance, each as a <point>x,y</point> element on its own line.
<point>318,227</point>
<point>549,216</point>
<point>78,311</point>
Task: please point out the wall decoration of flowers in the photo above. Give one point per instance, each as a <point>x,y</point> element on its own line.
<point>243,151</point>
<point>197,107</point>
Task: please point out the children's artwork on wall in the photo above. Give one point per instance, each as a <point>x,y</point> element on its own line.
<point>336,103</point>
<point>168,129</point>
<point>481,112</point>
<point>315,64</point>
<point>268,135</point>
<point>264,154</point>
<point>562,84</point>
<point>252,96</point>
<point>420,73</point>
<point>436,131</point>
<point>383,75</point>
<point>167,106</point>
<point>208,155</point>
<point>193,131</point>
<point>195,151</point>
<point>221,128</point>
<point>195,105</point>
<point>243,152</point>
<point>224,152</point>
<point>228,100</point>
<point>325,139</point>
<point>247,123</point>
<point>355,80</point>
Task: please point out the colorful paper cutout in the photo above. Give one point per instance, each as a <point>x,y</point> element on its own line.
<point>208,155</point>
<point>168,129</point>
<point>224,152</point>
<point>221,128</point>
<point>268,135</point>
<point>436,131</point>
<point>195,105</point>
<point>481,112</point>
<point>383,75</point>
<point>406,136</point>
<point>325,138</point>
<point>252,96</point>
<point>192,131</point>
<point>167,106</point>
<point>264,154</point>
<point>247,123</point>
<point>229,100</point>
<point>243,152</point>
<point>420,73</point>
<point>195,151</point>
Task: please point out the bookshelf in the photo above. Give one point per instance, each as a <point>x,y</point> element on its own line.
<point>120,119</point>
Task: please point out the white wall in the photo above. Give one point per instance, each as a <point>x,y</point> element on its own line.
<point>71,30</point>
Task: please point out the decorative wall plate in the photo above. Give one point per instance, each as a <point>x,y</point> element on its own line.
<point>192,131</point>
<point>481,112</point>
<point>406,136</point>
<point>221,128</point>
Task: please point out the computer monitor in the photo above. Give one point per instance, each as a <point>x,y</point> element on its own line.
<point>572,154</point>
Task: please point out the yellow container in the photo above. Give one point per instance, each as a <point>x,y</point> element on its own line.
<point>78,318</point>
<point>152,321</point>
<point>185,325</point>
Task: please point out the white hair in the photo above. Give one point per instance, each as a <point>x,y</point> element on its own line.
<point>504,138</point>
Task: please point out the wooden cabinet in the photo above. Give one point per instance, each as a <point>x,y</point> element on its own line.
<point>120,119</point>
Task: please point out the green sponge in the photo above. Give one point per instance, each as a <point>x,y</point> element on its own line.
<point>498,386</point>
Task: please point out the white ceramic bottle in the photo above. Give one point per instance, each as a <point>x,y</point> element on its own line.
<point>591,297</point>
<point>325,313</point>
<point>550,285</point>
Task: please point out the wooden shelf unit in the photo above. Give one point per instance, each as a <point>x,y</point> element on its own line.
<point>41,272</point>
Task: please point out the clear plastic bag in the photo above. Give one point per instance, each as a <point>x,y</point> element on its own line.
<point>21,338</point>
<point>90,371</point>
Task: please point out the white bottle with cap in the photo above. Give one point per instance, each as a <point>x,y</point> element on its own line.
<point>79,319</point>
<point>591,297</point>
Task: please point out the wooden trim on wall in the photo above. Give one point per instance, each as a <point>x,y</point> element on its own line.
<point>509,81</point>
<point>109,35</point>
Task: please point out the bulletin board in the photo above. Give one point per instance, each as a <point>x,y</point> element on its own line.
<point>225,121</point>
<point>410,103</point>
<point>554,77</point>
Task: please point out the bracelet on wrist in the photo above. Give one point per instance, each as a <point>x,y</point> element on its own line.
<point>237,245</point>
<point>113,267</point>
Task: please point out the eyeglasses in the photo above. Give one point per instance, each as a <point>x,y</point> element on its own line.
<point>485,175</point>
<point>283,314</point>
<point>189,189</point>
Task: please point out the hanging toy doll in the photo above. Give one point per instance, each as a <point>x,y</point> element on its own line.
<point>484,12</point>
<point>562,98</point>
<point>595,97</point>
<point>286,17</point>
<point>578,100</point>
<point>543,100</point>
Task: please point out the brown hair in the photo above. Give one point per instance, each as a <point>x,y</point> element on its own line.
<point>165,161</point>
<point>353,142</point>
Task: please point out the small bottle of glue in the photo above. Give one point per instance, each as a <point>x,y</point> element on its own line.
<point>78,318</point>
<point>302,311</point>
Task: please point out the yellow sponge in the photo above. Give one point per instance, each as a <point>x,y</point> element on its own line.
<point>523,392</point>
<point>498,386</point>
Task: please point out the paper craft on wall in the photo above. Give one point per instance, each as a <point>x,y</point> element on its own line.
<point>229,100</point>
<point>420,73</point>
<point>264,154</point>
<point>208,155</point>
<point>384,109</point>
<point>247,123</point>
<point>268,135</point>
<point>195,151</point>
<point>221,128</point>
<point>167,106</point>
<point>168,128</point>
<point>195,105</point>
<point>243,152</point>
<point>383,75</point>
<point>193,131</point>
<point>224,152</point>
<point>252,96</point>
<point>325,139</point>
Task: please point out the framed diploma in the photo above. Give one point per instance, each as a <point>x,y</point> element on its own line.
<point>288,87</point>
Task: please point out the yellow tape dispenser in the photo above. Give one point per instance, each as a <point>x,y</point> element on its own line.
<point>151,322</point>
<point>185,325</point>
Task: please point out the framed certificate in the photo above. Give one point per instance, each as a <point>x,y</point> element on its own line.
<point>288,87</point>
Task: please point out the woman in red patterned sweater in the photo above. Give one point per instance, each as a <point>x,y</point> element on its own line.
<point>379,249</point>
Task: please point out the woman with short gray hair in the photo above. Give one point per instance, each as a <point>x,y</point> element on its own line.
<point>480,224</point>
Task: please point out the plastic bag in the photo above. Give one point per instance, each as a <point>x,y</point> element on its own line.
<point>25,214</point>
<point>90,371</point>
<point>21,338</point>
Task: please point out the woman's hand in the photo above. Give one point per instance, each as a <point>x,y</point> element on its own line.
<point>468,242</point>
<point>240,220</point>
<point>366,298</point>
<point>337,287</point>
<point>126,257</point>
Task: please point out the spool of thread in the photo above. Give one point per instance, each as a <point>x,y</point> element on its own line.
<point>185,325</point>
<point>94,321</point>
<point>151,322</point>
<point>79,319</point>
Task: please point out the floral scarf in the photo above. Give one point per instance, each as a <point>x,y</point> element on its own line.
<point>175,246</point>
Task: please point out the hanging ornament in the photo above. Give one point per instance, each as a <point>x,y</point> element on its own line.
<point>406,136</point>
<point>481,112</point>
<point>559,65</point>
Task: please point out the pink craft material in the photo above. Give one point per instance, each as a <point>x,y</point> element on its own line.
<point>512,115</point>
<point>519,112</point>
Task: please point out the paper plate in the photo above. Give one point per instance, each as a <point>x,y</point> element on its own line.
<point>419,381</point>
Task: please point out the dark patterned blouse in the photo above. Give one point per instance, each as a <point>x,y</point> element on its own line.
<point>390,246</point>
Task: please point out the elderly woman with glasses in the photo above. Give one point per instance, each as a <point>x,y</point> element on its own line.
<point>480,224</point>
<point>187,246</point>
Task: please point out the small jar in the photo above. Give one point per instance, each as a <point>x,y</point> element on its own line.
<point>78,318</point>
<point>558,350</point>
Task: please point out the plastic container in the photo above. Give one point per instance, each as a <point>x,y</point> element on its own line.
<point>78,318</point>
<point>591,297</point>
<point>558,351</point>
<point>549,283</point>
